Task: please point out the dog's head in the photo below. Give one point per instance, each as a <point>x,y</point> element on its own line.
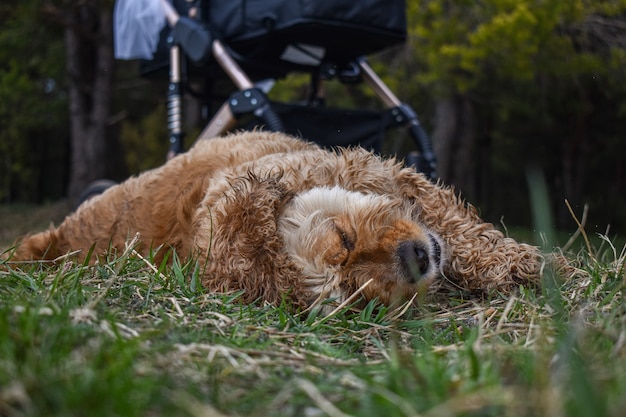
<point>346,241</point>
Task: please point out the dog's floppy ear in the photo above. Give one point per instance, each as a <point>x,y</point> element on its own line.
<point>247,215</point>
<point>246,250</point>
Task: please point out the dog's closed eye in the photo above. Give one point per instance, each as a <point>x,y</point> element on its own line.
<point>345,240</point>
<point>340,243</point>
<point>346,233</point>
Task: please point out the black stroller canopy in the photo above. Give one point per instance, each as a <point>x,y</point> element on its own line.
<point>279,35</point>
<point>307,33</point>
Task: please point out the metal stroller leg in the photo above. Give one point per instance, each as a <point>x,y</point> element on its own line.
<point>249,99</point>
<point>174,104</point>
<point>224,119</point>
<point>228,64</point>
<point>196,42</point>
<point>426,162</point>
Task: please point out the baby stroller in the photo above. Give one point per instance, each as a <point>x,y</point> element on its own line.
<point>253,43</point>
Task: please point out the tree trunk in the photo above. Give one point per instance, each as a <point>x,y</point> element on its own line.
<point>454,140</point>
<point>90,65</point>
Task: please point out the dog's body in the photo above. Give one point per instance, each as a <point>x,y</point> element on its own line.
<point>276,217</point>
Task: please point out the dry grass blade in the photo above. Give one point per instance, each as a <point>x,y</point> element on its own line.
<point>56,260</point>
<point>194,407</point>
<point>149,265</point>
<point>400,311</point>
<point>342,305</point>
<point>322,402</point>
<point>581,228</point>
<point>472,403</point>
<point>281,355</point>
<point>505,313</point>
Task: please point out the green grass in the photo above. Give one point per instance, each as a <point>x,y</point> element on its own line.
<point>128,338</point>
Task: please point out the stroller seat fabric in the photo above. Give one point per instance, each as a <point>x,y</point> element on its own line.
<point>304,33</point>
<point>270,38</point>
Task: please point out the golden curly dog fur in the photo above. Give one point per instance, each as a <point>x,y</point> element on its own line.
<point>279,217</point>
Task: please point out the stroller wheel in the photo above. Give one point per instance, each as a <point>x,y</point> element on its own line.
<point>95,188</point>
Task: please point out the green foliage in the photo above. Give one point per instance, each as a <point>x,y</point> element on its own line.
<point>464,44</point>
<point>546,81</point>
<point>145,141</point>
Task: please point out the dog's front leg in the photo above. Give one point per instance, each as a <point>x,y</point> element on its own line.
<point>236,231</point>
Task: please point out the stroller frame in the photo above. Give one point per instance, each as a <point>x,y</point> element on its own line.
<point>199,45</point>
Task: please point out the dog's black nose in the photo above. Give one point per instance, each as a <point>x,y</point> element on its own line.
<point>414,259</point>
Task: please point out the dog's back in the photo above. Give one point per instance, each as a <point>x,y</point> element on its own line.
<point>158,204</point>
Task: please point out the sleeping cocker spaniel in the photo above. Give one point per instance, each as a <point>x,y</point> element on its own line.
<point>276,216</point>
